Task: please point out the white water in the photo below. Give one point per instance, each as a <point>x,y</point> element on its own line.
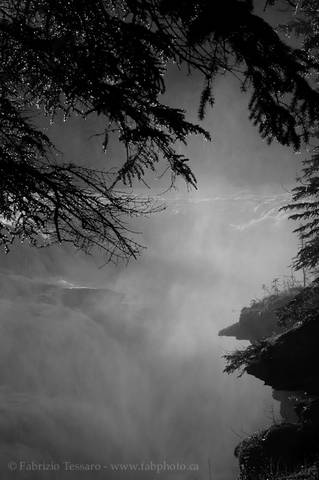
<point>131,369</point>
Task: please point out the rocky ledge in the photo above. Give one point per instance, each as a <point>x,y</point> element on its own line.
<point>260,319</point>
<point>287,361</point>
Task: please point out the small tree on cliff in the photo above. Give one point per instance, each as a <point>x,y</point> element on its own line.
<point>108,57</point>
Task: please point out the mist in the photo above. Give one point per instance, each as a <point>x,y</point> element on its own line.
<point>123,364</point>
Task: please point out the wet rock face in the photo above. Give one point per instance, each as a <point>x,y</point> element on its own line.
<point>308,410</point>
<point>281,448</point>
<point>288,362</point>
<point>288,404</point>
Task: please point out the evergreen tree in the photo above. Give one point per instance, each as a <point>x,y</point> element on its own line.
<point>109,57</point>
<point>305,204</point>
<point>305,198</point>
<point>305,26</point>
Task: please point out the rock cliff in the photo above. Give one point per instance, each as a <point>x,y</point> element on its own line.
<point>259,320</point>
<point>288,361</point>
<point>284,357</point>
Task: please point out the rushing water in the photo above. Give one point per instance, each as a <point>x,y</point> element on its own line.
<point>124,364</point>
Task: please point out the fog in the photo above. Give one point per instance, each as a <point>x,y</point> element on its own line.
<point>123,363</point>
<point>128,368</point>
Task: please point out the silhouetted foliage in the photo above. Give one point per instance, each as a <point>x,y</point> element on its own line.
<point>108,57</point>
<point>284,451</point>
<point>305,26</point>
<point>305,204</point>
<point>302,308</point>
<point>240,359</point>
